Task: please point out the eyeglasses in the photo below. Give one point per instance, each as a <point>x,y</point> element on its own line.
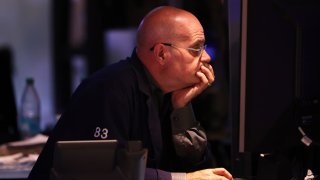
<point>194,51</point>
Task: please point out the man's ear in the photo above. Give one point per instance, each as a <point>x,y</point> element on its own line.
<point>160,53</point>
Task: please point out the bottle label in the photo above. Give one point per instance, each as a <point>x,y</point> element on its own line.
<point>29,127</point>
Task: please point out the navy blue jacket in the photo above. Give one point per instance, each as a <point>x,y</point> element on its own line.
<point>118,98</point>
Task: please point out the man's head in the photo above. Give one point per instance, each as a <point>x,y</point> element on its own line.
<point>167,42</point>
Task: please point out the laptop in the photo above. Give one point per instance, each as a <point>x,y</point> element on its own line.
<point>85,159</point>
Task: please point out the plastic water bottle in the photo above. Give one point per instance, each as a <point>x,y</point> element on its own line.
<point>29,120</point>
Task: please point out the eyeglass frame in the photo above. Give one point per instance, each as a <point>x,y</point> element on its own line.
<point>197,50</point>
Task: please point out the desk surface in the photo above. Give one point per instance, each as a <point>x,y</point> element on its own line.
<point>17,158</point>
<point>14,174</point>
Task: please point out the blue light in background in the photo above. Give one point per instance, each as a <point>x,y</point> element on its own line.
<point>211,50</point>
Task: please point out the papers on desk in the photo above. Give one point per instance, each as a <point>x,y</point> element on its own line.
<point>17,165</point>
<point>36,140</point>
<point>21,157</point>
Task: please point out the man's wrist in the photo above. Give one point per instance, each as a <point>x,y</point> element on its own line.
<point>178,176</point>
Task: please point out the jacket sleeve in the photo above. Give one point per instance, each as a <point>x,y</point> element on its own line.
<point>189,138</point>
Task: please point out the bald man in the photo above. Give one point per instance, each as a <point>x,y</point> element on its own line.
<point>147,97</point>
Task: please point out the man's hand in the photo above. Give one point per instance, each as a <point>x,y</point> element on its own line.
<point>212,174</point>
<point>182,97</point>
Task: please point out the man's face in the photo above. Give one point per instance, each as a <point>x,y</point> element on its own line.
<point>185,60</point>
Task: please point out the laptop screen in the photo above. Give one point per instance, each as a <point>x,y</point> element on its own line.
<point>75,158</point>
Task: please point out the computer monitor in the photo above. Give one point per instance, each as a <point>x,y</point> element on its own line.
<point>279,74</point>
<point>79,159</point>
<point>98,159</point>
<point>279,89</point>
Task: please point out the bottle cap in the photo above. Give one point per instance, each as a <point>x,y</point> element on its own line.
<point>29,80</point>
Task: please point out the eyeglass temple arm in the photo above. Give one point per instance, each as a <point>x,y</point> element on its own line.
<point>166,44</point>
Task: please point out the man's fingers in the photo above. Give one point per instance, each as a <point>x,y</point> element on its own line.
<point>208,69</point>
<point>222,172</point>
<point>203,78</point>
<point>214,174</point>
<point>209,74</point>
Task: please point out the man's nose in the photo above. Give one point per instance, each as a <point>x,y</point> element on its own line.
<point>205,57</point>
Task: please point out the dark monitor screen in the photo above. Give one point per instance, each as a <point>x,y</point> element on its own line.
<point>279,89</point>
<point>78,159</point>
<point>279,74</point>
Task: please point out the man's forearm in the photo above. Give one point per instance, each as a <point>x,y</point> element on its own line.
<point>188,136</point>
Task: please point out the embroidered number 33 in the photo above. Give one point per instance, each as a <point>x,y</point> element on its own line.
<point>101,133</point>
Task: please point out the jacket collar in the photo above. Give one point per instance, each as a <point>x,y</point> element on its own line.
<point>145,82</point>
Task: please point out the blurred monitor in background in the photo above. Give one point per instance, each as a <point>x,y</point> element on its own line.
<point>8,110</point>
